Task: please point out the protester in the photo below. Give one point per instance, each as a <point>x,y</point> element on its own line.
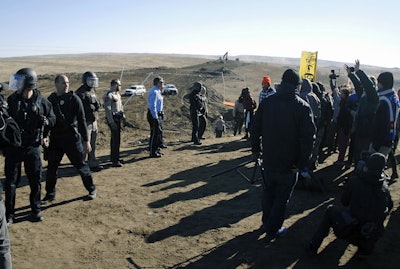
<point>249,105</point>
<point>284,147</point>
<point>66,138</point>
<point>312,99</point>
<point>367,105</point>
<point>385,120</point>
<point>238,116</point>
<point>219,126</point>
<point>344,123</point>
<point>115,116</point>
<point>367,201</point>
<point>266,90</point>
<point>91,106</point>
<point>332,129</point>
<point>392,158</point>
<point>155,115</point>
<point>324,121</point>
<point>33,114</point>
<point>195,108</point>
<point>203,113</point>
<point>352,104</point>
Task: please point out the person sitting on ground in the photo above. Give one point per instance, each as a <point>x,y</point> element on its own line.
<point>368,203</point>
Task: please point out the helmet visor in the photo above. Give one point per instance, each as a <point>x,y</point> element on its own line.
<point>16,82</point>
<point>92,82</point>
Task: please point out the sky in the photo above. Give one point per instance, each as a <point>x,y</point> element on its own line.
<point>339,30</point>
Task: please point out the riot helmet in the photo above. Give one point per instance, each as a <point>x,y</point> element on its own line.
<point>25,78</point>
<point>90,79</point>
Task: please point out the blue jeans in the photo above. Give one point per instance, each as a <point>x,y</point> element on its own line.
<point>277,190</point>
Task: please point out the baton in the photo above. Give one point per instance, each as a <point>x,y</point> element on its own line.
<point>231,169</point>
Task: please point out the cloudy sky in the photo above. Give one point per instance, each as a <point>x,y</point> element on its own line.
<point>339,30</point>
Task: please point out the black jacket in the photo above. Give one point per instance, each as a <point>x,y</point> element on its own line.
<point>285,123</point>
<point>195,101</point>
<point>368,200</point>
<point>29,115</point>
<point>70,115</point>
<point>91,103</point>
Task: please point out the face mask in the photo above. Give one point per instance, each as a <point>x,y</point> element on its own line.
<point>16,82</point>
<point>92,82</point>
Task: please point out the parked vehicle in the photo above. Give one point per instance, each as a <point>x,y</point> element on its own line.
<point>135,90</point>
<point>170,89</point>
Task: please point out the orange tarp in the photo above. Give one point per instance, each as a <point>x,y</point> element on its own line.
<point>226,103</point>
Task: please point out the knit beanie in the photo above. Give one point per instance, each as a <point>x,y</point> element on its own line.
<point>291,77</point>
<point>376,164</point>
<point>386,79</point>
<point>265,80</point>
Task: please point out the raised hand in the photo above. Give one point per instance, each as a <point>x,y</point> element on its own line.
<point>357,65</point>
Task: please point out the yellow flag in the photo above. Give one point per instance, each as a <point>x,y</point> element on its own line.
<point>308,65</point>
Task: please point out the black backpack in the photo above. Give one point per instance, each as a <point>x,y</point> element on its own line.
<point>10,134</point>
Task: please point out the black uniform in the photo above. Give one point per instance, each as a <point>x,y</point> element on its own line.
<point>66,137</point>
<point>91,106</point>
<point>31,115</point>
<point>195,107</point>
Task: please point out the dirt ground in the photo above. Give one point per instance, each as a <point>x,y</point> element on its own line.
<point>177,212</point>
<point>188,209</point>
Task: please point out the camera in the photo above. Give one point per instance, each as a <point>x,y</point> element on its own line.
<point>333,75</point>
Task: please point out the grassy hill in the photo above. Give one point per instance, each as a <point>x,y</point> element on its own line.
<point>224,80</point>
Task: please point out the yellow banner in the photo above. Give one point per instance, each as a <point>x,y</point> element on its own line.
<point>308,65</point>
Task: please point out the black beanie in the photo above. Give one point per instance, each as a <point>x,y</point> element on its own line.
<point>291,77</point>
<point>386,79</point>
<point>376,164</point>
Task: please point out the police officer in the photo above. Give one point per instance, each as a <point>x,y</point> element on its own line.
<point>32,112</point>
<point>5,253</point>
<point>66,137</point>
<point>155,114</point>
<point>91,106</point>
<point>195,107</point>
<point>115,116</point>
